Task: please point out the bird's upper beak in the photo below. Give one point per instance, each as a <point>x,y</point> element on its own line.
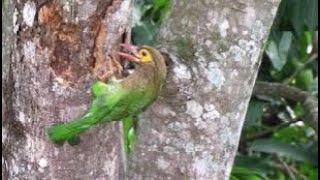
<point>132,54</point>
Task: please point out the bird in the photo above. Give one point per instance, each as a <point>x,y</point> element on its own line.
<point>115,101</point>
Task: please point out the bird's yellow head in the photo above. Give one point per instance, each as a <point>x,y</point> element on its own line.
<point>148,57</point>
<point>145,55</point>
<point>136,54</point>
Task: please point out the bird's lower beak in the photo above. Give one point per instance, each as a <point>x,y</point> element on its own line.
<point>132,54</point>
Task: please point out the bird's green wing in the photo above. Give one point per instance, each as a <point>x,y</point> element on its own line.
<point>106,99</point>
<point>111,102</point>
<point>99,88</point>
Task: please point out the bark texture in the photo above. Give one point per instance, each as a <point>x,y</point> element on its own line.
<point>52,51</point>
<point>193,130</point>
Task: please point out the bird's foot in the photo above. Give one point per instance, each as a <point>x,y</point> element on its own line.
<point>111,68</point>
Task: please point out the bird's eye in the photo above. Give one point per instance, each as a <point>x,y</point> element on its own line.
<point>145,55</point>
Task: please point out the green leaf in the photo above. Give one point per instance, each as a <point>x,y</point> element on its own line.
<point>280,175</point>
<point>147,17</point>
<point>308,170</point>
<point>256,165</point>
<point>279,54</point>
<point>304,79</point>
<point>243,171</point>
<point>314,86</point>
<point>254,113</point>
<point>253,177</point>
<point>291,134</point>
<point>272,52</point>
<point>297,15</point>
<point>281,149</point>
<point>298,109</point>
<point>143,34</point>
<point>232,177</point>
<point>160,9</point>
<point>310,14</point>
<point>284,45</point>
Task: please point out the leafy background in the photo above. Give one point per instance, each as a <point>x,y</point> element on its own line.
<point>275,143</point>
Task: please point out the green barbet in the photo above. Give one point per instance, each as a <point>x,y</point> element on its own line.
<point>122,100</point>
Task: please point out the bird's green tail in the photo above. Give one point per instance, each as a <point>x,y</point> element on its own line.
<point>70,131</point>
<point>129,135</point>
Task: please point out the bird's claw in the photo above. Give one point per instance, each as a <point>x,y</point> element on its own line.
<point>112,67</point>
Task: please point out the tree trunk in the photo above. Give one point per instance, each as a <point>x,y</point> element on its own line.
<point>51,53</point>
<point>193,130</point>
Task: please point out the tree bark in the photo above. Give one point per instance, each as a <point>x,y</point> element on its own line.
<point>193,130</point>
<point>51,50</point>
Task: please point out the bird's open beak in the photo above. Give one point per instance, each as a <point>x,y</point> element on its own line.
<point>132,54</point>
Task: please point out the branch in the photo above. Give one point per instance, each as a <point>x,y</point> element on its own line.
<point>312,58</point>
<point>287,168</point>
<point>310,102</point>
<point>269,131</point>
<point>291,168</point>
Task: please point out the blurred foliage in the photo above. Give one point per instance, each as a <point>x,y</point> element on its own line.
<point>147,17</point>
<point>289,58</point>
<point>297,16</point>
<point>274,138</point>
